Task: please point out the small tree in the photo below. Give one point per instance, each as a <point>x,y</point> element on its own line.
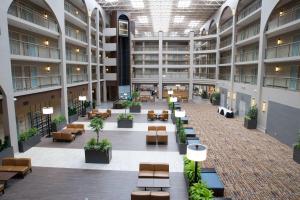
<point>135,95</point>
<point>126,104</point>
<point>97,126</point>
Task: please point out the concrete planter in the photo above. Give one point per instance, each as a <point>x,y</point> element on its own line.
<point>73,118</point>
<point>8,152</point>
<point>94,156</point>
<point>250,123</point>
<point>25,145</point>
<point>135,109</point>
<point>296,155</point>
<point>125,123</point>
<point>182,148</point>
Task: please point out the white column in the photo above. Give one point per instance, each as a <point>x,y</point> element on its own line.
<point>89,67</point>
<point>98,92</point>
<point>218,52</point>
<point>160,65</point>
<point>233,50</point>
<point>191,68</point>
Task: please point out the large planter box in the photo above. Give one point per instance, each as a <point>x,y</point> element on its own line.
<point>8,152</point>
<point>58,127</point>
<point>73,118</point>
<point>25,145</point>
<point>118,104</point>
<point>181,146</point>
<point>173,118</point>
<point>296,155</point>
<point>250,123</point>
<point>125,123</point>
<point>94,156</point>
<point>135,109</point>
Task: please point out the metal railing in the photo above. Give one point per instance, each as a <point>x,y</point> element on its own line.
<point>249,9</point>
<point>76,34</point>
<point>145,76</point>
<point>176,48</point>
<point>203,61</point>
<point>22,48</point>
<point>225,77</point>
<point>76,78</point>
<point>283,18</point>
<point>146,48</point>
<point>283,51</point>
<point>75,12</point>
<point>33,16</point>
<point>249,79</point>
<point>225,59</point>
<point>76,56</point>
<point>94,76</point>
<point>205,76</point>
<point>248,32</point>
<point>226,42</point>
<point>247,56</point>
<point>288,83</point>
<point>205,46</point>
<point>36,82</point>
<point>94,60</point>
<point>176,75</point>
<point>226,25</point>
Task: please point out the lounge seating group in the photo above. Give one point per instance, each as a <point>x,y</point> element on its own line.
<point>63,136</point>
<point>150,195</point>
<point>69,133</point>
<point>21,166</point>
<point>95,113</point>
<point>154,170</point>
<point>157,135</point>
<point>164,116</point>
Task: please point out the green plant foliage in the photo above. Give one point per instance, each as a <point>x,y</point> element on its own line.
<point>182,136</point>
<point>252,113</point>
<point>5,144</point>
<point>298,142</point>
<point>28,134</point>
<point>136,103</point>
<point>189,170</point>
<point>97,125</point>
<point>124,116</point>
<point>72,111</point>
<point>86,104</point>
<point>59,119</point>
<point>179,124</point>
<point>215,98</point>
<point>199,191</point>
<point>102,146</point>
<point>135,95</point>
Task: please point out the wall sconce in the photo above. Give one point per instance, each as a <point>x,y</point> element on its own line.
<point>46,42</point>
<point>253,102</point>
<point>281,13</point>
<point>228,94</point>
<point>45,16</point>
<point>76,12</point>
<point>78,69</point>
<point>48,69</point>
<point>107,69</point>
<point>279,41</point>
<point>277,69</point>
<point>264,106</point>
<point>77,50</point>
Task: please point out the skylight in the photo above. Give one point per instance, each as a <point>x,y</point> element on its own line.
<point>143,19</point>
<point>137,3</point>
<point>178,19</point>
<point>161,14</point>
<point>194,23</point>
<point>183,3</point>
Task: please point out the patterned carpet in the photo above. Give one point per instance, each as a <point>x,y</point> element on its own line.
<point>252,164</point>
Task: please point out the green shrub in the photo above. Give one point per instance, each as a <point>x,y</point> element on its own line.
<point>136,103</point>
<point>86,104</point>
<point>72,111</point>
<point>252,113</point>
<point>103,145</point>
<point>199,191</point>
<point>28,134</point>
<point>124,116</point>
<point>97,125</point>
<point>182,136</point>
<point>135,95</point>
<point>189,170</point>
<point>215,98</point>
<point>298,142</point>
<point>5,144</point>
<point>59,119</point>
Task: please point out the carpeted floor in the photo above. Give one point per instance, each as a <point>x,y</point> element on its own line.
<point>252,164</point>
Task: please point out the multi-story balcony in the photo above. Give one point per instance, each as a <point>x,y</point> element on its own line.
<point>176,76</point>
<point>93,40</point>
<point>22,48</point>
<point>226,25</point>
<point>176,60</point>
<point>248,79</point>
<point>94,76</point>
<point>205,61</point>
<point>94,59</point>
<point>225,59</point>
<point>224,76</point>
<point>248,32</point>
<point>36,82</point>
<point>33,16</point>
<point>146,48</point>
<point>247,56</point>
<point>288,83</point>
<point>75,12</point>
<point>77,78</point>
<point>205,46</point>
<point>249,10</point>
<point>76,34</point>
<point>145,76</point>
<point>283,51</point>
<point>176,48</point>
<point>205,76</point>
<point>226,42</point>
<point>79,57</point>
<point>285,17</point>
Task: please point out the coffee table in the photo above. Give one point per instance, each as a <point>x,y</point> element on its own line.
<point>153,183</point>
<point>5,176</point>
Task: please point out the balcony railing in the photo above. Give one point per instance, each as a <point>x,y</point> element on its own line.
<point>76,34</point>
<point>204,47</point>
<point>76,56</point>
<point>93,40</point>
<point>285,17</point>
<point>283,51</point>
<point>177,75</point>
<point>33,16</point>
<point>94,60</point>
<point>22,48</point>
<point>145,76</point>
<point>205,76</point>
<point>146,48</point>
<point>249,79</point>
<point>247,56</point>
<point>288,83</point>
<point>176,48</point>
<point>226,25</point>
<point>77,78</point>
<point>37,82</point>
<point>248,32</point>
<point>93,24</point>
<point>94,76</point>
<point>224,76</point>
<point>225,59</point>
<point>208,61</point>
<point>226,42</point>
<point>75,12</point>
<point>249,9</point>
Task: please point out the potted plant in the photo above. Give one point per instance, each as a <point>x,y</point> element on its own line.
<point>5,149</point>
<point>250,120</point>
<point>28,139</point>
<point>296,153</point>
<point>215,98</point>
<point>73,116</point>
<point>199,191</point>
<point>181,141</point>
<point>97,151</point>
<point>135,106</point>
<point>58,123</point>
<point>125,120</point>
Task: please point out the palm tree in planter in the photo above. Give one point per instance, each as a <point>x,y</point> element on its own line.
<point>296,153</point>
<point>250,120</point>
<point>135,106</point>
<point>125,120</point>
<point>98,151</point>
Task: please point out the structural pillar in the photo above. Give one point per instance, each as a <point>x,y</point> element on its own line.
<point>160,65</point>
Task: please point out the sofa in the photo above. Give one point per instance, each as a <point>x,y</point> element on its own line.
<point>95,113</point>
<point>62,136</point>
<point>76,128</point>
<point>154,170</point>
<point>150,195</point>
<point>157,134</point>
<point>19,165</point>
<point>164,116</point>
<point>151,115</point>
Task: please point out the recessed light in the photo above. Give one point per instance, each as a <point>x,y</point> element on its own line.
<point>178,19</point>
<point>137,3</point>
<point>143,19</point>
<point>183,3</point>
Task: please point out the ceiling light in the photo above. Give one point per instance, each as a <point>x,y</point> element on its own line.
<point>194,23</point>
<point>178,19</point>
<point>143,19</point>
<point>137,3</point>
<point>183,3</point>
